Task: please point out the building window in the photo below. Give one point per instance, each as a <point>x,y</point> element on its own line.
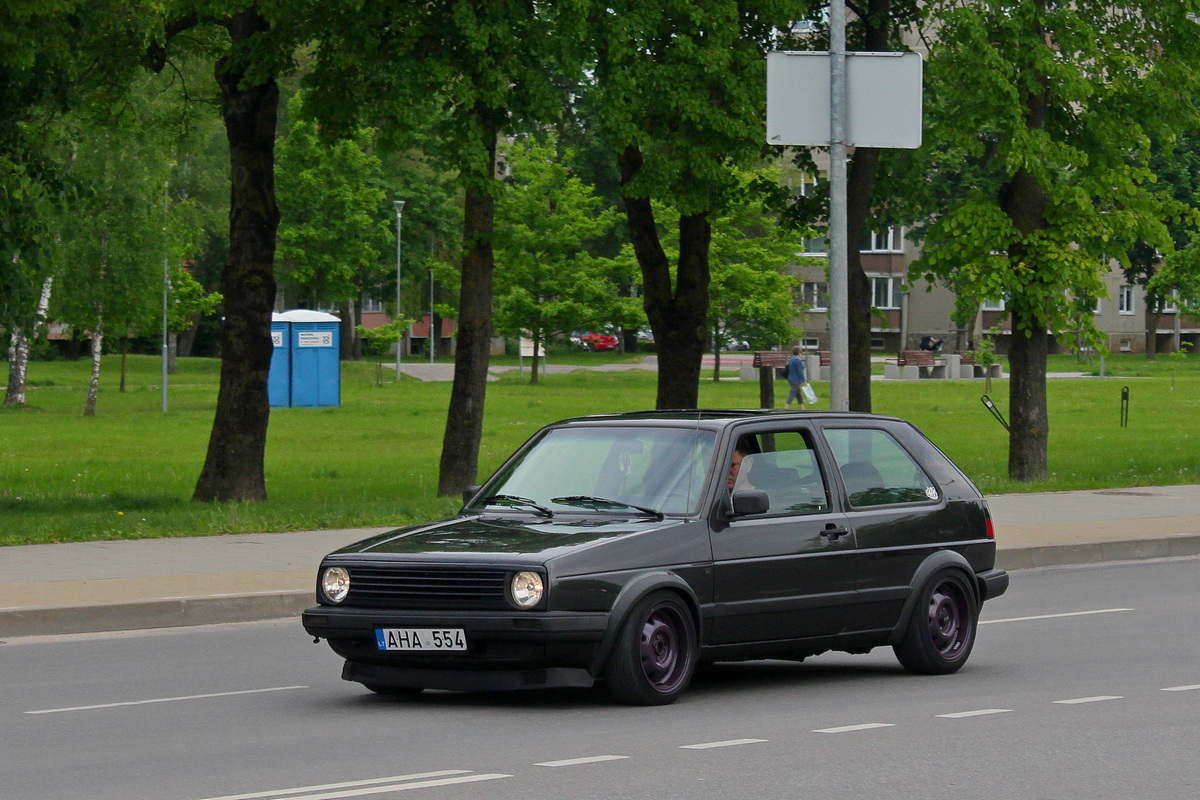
<point>811,343</point>
<point>1125,300</point>
<point>816,246</point>
<point>372,306</point>
<point>882,240</point>
<point>885,291</point>
<point>993,305</point>
<point>815,295</point>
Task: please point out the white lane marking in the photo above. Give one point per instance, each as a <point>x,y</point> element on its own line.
<point>344,785</point>
<point>166,700</point>
<point>402,787</point>
<point>727,743</point>
<point>571,762</point>
<point>1055,616</point>
<point>1100,698</point>
<point>850,728</point>
<point>1182,688</point>
<point>980,713</point>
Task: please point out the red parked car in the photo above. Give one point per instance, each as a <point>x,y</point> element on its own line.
<point>595,341</point>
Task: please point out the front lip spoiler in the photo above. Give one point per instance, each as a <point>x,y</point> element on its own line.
<point>466,680</point>
<point>562,626</point>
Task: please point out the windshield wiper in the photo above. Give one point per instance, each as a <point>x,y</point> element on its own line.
<point>512,499</point>
<point>596,503</point>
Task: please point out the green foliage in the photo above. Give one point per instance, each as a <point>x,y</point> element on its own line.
<point>332,240</point>
<point>546,280</point>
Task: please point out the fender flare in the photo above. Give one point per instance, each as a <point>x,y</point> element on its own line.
<point>629,596</point>
<point>939,560</point>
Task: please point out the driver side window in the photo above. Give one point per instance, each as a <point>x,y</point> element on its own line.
<point>784,465</point>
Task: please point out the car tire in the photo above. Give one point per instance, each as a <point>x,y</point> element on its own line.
<point>941,631</point>
<point>655,654</point>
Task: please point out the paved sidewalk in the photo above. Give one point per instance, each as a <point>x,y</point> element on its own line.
<point>154,583</point>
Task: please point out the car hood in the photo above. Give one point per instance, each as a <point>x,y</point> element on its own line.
<point>489,535</point>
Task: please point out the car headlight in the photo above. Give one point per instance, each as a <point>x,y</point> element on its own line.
<point>526,589</point>
<point>335,583</point>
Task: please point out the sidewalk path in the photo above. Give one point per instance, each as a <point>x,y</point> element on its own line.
<point>153,583</point>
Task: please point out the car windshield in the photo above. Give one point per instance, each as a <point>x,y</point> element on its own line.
<point>611,470</point>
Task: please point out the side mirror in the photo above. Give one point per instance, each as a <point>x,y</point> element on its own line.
<point>750,501</point>
<point>470,492</point>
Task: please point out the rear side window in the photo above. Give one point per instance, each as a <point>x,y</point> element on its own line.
<point>876,469</point>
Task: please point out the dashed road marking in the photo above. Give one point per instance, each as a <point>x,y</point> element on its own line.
<point>1100,698</point>
<point>571,762</point>
<point>851,728</point>
<point>166,700</point>
<point>1182,688</point>
<point>1054,616</point>
<point>983,712</point>
<point>726,743</point>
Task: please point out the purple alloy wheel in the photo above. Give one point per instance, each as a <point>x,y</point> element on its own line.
<point>950,624</point>
<point>665,651</point>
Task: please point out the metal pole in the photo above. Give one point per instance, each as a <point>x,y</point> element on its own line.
<point>400,339</point>
<point>166,287</point>
<point>839,350</point>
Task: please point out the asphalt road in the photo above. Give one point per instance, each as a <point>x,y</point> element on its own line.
<point>1084,683</point>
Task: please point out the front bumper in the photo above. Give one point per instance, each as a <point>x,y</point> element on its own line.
<point>496,642</point>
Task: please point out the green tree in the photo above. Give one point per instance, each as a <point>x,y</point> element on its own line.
<point>469,71</point>
<point>332,236</point>
<point>678,90</point>
<point>547,281</point>
<point>1052,104</point>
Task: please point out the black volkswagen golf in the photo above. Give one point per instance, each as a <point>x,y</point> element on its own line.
<point>629,548</point>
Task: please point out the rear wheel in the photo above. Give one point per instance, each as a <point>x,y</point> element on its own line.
<point>941,632</point>
<point>654,657</point>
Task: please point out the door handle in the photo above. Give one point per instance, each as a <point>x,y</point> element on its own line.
<point>833,532</point>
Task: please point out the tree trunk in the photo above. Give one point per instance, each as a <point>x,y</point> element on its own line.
<point>533,376</point>
<point>716,340</point>
<point>233,467</point>
<point>18,351</point>
<point>464,420</point>
<point>124,361</point>
<point>89,406</point>
<point>1152,318</point>
<point>678,317</point>
<point>172,352</point>
<point>1029,427</point>
<point>860,186</point>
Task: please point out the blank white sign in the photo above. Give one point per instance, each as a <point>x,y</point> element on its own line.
<point>883,99</point>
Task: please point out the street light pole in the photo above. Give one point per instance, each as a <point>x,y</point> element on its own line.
<point>400,339</point>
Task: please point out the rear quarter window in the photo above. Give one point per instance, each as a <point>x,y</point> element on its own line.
<point>876,469</point>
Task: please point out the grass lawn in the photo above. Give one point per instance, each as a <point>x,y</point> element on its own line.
<point>129,472</point>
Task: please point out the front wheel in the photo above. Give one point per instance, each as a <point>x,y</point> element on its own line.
<point>654,657</point>
<point>941,632</point>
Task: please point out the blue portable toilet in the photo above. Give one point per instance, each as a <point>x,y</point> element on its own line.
<point>316,367</point>
<point>279,380</point>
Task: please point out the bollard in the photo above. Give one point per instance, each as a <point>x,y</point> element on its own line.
<point>1124,406</point>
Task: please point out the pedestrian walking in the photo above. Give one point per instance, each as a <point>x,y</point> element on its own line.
<point>795,379</point>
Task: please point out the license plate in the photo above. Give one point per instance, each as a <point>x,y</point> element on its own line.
<point>420,639</point>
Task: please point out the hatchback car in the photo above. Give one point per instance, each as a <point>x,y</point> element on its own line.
<point>629,548</point>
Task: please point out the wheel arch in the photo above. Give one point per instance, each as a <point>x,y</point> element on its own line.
<point>630,595</point>
<point>942,559</point>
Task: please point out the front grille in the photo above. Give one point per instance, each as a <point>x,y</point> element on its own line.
<point>427,588</point>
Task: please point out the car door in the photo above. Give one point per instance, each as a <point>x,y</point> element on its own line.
<point>898,515</point>
<point>787,573</point>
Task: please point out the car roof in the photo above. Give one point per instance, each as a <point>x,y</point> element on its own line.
<point>714,418</point>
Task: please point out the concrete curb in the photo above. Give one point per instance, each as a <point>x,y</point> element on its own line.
<point>1017,558</point>
<point>251,607</point>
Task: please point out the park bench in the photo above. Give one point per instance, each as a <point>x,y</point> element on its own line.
<point>915,364</point>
